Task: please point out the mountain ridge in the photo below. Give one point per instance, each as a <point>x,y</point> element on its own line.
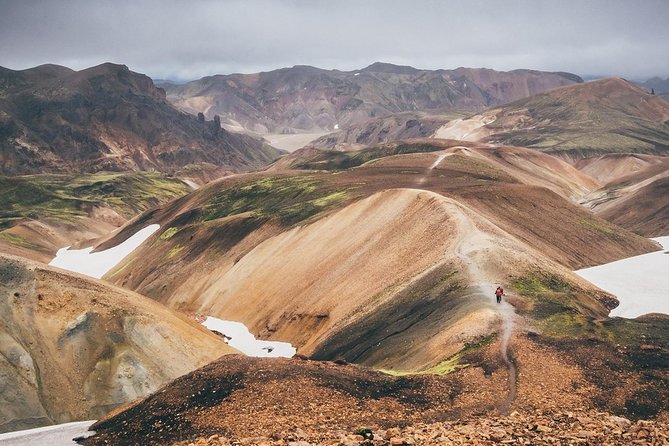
<point>305,98</point>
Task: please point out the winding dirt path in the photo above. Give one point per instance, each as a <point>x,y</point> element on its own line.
<point>471,240</point>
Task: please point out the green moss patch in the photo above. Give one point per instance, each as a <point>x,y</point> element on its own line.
<point>168,234</point>
<point>555,305</point>
<point>17,241</point>
<point>289,200</point>
<point>66,197</point>
<point>450,365</point>
<point>174,251</point>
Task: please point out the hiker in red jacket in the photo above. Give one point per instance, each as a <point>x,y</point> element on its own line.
<point>499,292</point>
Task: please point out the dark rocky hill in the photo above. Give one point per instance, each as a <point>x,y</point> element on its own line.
<point>53,119</point>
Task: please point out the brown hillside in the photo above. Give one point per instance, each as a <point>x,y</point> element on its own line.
<point>324,259</point>
<point>238,400</point>
<point>634,195</point>
<point>616,167</point>
<point>75,348</point>
<point>644,211</point>
<point>577,121</point>
<point>254,398</point>
<point>396,127</point>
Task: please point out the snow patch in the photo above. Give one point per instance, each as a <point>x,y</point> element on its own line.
<point>97,264</point>
<point>640,283</point>
<point>238,336</point>
<point>336,126</point>
<point>57,435</point>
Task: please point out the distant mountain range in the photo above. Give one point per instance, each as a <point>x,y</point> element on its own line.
<point>54,119</point>
<point>304,98</point>
<point>657,85</point>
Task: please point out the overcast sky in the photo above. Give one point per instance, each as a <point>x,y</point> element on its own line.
<point>188,39</point>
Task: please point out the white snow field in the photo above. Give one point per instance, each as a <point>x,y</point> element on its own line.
<point>640,283</point>
<point>96,264</point>
<point>57,435</point>
<point>245,342</point>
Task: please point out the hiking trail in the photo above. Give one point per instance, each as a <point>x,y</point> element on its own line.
<point>465,247</point>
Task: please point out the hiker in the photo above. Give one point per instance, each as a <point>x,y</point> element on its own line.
<point>499,292</point>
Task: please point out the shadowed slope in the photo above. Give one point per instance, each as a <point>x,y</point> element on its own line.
<point>644,211</point>
<point>635,193</point>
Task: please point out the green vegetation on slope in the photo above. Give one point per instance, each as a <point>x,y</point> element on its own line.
<point>288,200</point>
<point>555,305</point>
<point>560,311</point>
<point>64,197</point>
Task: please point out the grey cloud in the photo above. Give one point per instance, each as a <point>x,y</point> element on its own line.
<point>188,39</point>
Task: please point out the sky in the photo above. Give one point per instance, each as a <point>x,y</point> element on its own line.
<point>189,39</point>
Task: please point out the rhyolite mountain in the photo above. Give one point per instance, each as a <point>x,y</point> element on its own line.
<point>577,121</point>
<point>74,348</point>
<point>305,98</point>
<point>54,119</point>
<point>398,240</point>
<point>387,258</point>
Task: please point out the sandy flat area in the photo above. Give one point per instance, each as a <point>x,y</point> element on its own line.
<point>292,142</point>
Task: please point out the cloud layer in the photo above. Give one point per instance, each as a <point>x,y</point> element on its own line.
<point>185,39</point>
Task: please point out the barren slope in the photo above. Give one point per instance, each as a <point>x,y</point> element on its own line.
<point>257,401</point>
<point>395,127</point>
<point>644,210</point>
<point>74,348</point>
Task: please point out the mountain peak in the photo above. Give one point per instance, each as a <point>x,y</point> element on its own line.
<point>106,68</point>
<point>384,67</point>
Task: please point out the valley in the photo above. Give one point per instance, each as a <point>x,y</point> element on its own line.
<point>181,282</point>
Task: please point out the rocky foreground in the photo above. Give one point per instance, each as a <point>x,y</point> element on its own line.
<point>539,428</point>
